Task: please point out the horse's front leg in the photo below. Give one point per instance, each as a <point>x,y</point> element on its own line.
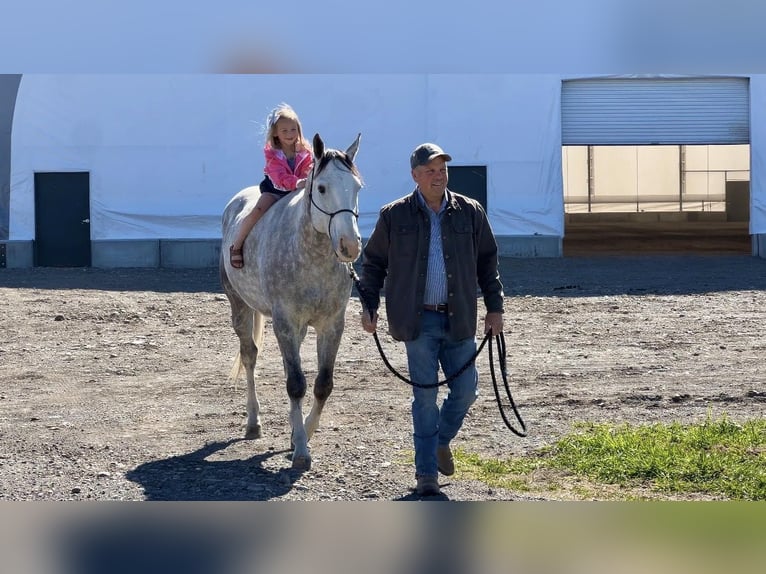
<point>328,341</point>
<point>289,340</point>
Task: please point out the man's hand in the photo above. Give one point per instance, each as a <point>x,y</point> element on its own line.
<point>493,322</point>
<point>368,324</point>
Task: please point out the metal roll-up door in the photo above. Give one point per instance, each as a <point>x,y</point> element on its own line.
<point>655,111</point>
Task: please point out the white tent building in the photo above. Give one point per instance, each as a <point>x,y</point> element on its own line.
<point>134,170</point>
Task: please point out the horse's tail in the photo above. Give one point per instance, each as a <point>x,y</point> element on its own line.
<point>258,326</point>
<point>236,369</point>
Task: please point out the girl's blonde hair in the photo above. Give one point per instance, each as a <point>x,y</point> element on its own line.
<point>283,110</point>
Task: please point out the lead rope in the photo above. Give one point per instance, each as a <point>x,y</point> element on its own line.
<point>501,353</point>
<point>500,342</point>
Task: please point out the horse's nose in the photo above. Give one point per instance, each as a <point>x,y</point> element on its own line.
<point>350,249</point>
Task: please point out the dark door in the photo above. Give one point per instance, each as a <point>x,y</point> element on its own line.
<point>62,219</point>
<point>469,180</point>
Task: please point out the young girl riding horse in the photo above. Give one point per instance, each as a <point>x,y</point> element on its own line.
<point>288,161</point>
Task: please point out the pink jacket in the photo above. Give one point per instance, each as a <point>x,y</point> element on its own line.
<point>279,170</point>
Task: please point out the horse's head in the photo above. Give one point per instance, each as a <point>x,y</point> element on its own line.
<point>333,188</point>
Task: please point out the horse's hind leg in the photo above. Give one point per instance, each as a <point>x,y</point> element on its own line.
<point>328,341</point>
<point>248,325</point>
<point>248,351</point>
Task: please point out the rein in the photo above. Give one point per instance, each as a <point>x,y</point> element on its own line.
<point>501,357</point>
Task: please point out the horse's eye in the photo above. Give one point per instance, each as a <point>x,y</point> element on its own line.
<point>322,189</point>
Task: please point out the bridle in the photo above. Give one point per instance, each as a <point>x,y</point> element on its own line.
<point>310,185</point>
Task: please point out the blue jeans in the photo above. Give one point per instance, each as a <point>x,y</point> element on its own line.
<point>432,425</point>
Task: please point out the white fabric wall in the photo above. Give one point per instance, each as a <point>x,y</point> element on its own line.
<point>166,152</point>
<point>513,124</point>
<point>757,154</point>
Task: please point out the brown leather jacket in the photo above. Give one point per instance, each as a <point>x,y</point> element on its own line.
<point>397,254</point>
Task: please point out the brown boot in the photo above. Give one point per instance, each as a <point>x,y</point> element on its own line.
<point>444,461</point>
<point>428,486</point>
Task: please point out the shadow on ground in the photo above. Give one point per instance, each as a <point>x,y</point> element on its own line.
<point>631,275</point>
<point>543,277</point>
<point>193,477</point>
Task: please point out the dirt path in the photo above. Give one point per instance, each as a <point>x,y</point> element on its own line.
<point>113,382</point>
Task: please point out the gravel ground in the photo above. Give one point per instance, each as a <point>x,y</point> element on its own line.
<point>114,383</point>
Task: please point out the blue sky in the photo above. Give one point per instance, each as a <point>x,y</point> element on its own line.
<point>393,36</point>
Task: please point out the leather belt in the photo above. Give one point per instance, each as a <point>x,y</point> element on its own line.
<point>440,308</point>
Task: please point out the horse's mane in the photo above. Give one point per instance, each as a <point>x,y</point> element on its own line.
<point>332,154</point>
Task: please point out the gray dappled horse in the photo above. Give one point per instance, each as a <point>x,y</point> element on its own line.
<point>295,272</point>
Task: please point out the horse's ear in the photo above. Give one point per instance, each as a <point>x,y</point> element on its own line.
<point>353,148</point>
<point>318,146</point>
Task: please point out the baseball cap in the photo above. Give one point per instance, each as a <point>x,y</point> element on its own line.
<point>425,153</point>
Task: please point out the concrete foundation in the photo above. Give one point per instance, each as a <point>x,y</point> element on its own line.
<point>203,253</point>
<point>167,253</point>
<point>759,245</point>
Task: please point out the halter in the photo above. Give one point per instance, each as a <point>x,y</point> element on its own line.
<point>310,184</point>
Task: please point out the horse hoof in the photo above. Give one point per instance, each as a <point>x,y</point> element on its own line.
<point>253,432</point>
<point>302,463</point>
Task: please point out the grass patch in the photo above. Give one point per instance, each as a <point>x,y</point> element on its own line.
<point>512,474</point>
<point>716,458</point>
